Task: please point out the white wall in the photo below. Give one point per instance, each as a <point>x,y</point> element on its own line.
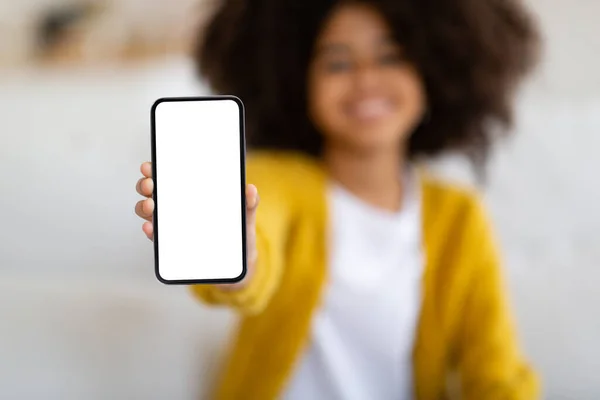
<point>83,317</point>
<point>545,196</point>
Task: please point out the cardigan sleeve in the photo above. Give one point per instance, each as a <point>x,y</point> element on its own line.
<point>490,364</point>
<point>272,227</point>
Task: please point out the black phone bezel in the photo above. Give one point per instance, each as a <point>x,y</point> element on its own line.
<point>155,196</point>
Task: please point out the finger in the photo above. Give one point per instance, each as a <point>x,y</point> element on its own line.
<point>146,169</point>
<point>148,230</point>
<point>145,186</point>
<point>252,198</point>
<point>144,209</point>
<point>252,204</point>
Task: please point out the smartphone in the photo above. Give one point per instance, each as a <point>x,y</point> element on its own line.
<point>198,158</point>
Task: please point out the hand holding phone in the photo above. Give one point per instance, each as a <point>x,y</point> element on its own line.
<point>202,219</point>
<point>145,210</point>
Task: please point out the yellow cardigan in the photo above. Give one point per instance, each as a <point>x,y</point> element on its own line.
<point>465,328</point>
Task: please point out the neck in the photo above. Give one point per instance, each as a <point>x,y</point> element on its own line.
<point>373,177</point>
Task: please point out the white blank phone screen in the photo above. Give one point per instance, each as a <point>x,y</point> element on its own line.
<point>199,192</point>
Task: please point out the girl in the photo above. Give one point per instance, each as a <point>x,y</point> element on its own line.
<point>368,278</point>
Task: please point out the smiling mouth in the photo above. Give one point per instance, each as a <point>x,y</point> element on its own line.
<point>369,109</point>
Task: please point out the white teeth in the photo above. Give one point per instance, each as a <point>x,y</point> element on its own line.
<point>368,109</point>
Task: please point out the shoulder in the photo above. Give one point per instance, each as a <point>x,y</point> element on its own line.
<point>455,217</point>
<point>283,169</point>
<point>452,199</point>
<point>287,180</point>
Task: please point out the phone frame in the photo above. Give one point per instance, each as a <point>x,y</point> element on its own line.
<point>242,142</point>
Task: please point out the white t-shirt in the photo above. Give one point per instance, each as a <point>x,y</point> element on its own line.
<point>362,336</point>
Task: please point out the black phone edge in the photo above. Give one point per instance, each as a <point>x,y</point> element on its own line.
<point>243,188</point>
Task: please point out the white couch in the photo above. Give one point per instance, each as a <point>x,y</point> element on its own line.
<point>81,313</point>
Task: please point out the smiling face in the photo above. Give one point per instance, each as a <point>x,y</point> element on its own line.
<point>363,94</point>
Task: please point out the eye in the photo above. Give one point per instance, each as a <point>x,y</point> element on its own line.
<point>391,58</point>
<point>337,66</point>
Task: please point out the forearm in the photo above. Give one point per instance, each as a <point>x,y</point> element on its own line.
<point>251,295</point>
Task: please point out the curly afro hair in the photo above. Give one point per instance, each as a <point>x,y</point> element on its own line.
<point>471,54</point>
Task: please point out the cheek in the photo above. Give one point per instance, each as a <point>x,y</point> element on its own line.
<point>324,98</point>
<point>411,92</point>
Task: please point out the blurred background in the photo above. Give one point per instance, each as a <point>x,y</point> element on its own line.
<point>81,313</point>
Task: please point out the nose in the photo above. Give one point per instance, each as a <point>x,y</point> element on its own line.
<point>367,76</point>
